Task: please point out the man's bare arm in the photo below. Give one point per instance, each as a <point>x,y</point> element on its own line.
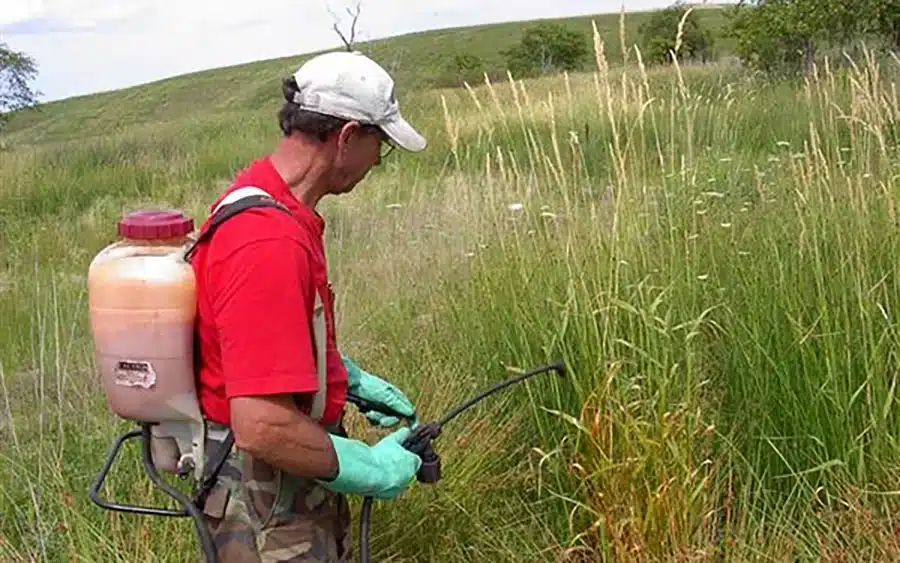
<point>273,429</point>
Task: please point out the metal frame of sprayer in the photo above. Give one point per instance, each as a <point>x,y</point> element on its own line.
<point>419,441</point>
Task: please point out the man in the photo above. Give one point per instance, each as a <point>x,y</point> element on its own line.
<point>280,496</point>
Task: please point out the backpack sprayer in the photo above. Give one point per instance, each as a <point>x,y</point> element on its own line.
<point>142,300</point>
<point>419,442</point>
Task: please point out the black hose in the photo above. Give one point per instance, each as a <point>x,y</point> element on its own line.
<point>364,517</point>
<point>206,542</point>
<point>432,430</point>
<point>558,367</point>
<point>189,508</point>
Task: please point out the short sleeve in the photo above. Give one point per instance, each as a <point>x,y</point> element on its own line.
<point>262,304</point>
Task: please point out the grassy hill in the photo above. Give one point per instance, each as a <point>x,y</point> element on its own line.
<point>418,61</point>
<point>712,254</point>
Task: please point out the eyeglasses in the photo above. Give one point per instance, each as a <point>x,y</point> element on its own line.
<point>387,146</point>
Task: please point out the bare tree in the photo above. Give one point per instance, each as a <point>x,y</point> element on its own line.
<point>354,14</point>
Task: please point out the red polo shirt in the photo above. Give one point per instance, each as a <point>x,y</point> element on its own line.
<point>255,293</point>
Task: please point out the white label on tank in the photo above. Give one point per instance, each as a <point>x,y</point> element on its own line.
<point>135,373</point>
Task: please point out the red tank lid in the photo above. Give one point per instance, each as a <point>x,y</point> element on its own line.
<point>152,224</point>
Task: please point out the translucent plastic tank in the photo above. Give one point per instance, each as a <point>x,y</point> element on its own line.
<point>142,299</point>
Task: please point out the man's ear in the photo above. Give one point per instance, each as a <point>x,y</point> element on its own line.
<point>347,132</point>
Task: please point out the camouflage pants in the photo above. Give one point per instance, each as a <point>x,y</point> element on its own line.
<point>259,514</point>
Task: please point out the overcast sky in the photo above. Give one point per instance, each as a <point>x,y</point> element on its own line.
<point>86,46</point>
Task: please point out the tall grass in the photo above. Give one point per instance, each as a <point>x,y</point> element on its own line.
<point>711,254</point>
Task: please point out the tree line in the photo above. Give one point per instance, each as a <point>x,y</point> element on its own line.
<point>787,35</point>
<point>772,36</point>
<point>776,36</point>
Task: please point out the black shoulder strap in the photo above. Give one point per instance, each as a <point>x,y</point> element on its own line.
<point>228,211</point>
<point>217,460</point>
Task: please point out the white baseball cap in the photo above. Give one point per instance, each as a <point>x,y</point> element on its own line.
<point>352,86</point>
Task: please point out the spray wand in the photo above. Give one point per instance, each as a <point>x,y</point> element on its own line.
<point>420,438</point>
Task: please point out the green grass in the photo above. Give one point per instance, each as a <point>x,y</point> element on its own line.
<point>712,255</point>
<point>417,60</point>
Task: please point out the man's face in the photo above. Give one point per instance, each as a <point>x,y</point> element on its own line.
<point>359,148</point>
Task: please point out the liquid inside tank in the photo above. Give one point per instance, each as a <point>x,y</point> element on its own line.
<point>142,300</point>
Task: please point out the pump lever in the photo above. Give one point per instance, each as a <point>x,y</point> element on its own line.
<point>365,405</point>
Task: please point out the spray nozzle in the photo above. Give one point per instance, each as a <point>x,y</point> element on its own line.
<point>421,436</point>
<point>419,443</point>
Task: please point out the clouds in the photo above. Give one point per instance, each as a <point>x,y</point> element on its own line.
<point>15,11</point>
<point>33,16</point>
<point>84,46</point>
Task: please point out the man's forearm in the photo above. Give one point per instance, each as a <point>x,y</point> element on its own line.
<point>274,430</point>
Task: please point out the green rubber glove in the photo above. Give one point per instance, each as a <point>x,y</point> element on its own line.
<point>373,388</point>
<point>383,471</point>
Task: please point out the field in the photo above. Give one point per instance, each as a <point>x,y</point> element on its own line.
<point>712,255</point>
